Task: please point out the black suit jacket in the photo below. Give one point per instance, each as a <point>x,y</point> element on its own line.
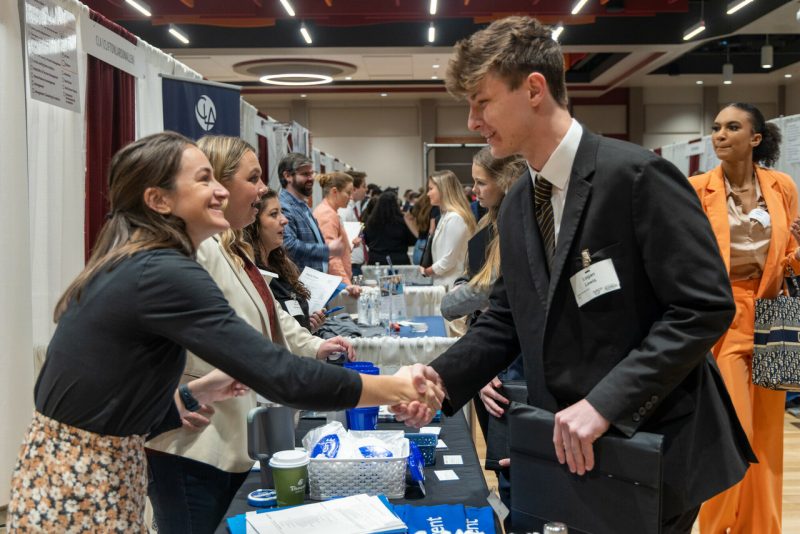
<point>639,355</point>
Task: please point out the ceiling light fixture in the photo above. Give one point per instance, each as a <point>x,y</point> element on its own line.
<point>288,7</point>
<point>177,34</point>
<point>727,68</point>
<point>433,7</point>
<point>141,7</point>
<point>697,28</point>
<point>348,77</point>
<point>305,34</point>
<point>303,78</point>
<point>435,65</point>
<point>787,75</point>
<point>736,5</point>
<point>434,77</point>
<point>431,33</point>
<point>303,95</point>
<point>766,55</point>
<point>694,30</point>
<point>699,82</point>
<point>556,33</point>
<point>579,6</point>
<point>384,94</point>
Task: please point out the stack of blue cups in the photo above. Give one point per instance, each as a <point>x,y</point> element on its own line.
<point>363,418</point>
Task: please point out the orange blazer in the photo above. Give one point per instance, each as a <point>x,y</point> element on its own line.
<point>332,228</point>
<point>780,194</point>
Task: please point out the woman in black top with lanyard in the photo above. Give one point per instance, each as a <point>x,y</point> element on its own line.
<point>114,361</point>
<point>266,237</point>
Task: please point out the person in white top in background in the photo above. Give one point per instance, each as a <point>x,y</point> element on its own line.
<point>449,245</point>
<point>352,213</point>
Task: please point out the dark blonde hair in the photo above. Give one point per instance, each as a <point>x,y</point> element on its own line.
<point>153,161</point>
<point>276,260</point>
<point>225,154</point>
<point>329,180</point>
<point>510,48</point>
<point>504,171</point>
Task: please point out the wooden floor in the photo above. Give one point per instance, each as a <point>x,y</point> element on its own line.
<point>791,473</point>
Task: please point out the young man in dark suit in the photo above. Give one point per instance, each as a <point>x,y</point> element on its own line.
<point>612,284</point>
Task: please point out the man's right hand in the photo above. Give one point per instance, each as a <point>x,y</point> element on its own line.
<point>492,398</point>
<point>336,248</point>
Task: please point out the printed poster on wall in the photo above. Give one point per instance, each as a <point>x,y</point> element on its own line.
<point>196,108</point>
<point>791,139</point>
<point>52,48</point>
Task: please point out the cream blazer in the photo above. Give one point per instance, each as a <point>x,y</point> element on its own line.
<point>223,443</point>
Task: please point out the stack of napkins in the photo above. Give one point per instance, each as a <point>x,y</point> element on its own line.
<point>359,514</point>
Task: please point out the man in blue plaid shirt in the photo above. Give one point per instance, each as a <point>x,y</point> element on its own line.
<point>302,237</point>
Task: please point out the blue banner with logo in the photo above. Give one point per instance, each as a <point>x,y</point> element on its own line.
<point>194,108</point>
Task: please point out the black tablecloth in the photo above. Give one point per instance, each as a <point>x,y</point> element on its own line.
<point>470,489</point>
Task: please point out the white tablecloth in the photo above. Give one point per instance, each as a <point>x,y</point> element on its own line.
<point>391,353</point>
<point>420,300</point>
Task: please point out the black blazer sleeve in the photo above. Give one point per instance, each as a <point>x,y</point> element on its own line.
<point>179,300</point>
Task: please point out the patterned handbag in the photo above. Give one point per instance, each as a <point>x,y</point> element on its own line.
<point>776,341</point>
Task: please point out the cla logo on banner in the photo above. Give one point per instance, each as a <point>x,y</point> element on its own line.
<point>205,112</point>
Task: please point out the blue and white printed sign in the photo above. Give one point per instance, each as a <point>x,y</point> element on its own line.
<point>196,108</point>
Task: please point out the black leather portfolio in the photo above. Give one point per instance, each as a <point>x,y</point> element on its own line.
<point>497,438</point>
<point>622,494</point>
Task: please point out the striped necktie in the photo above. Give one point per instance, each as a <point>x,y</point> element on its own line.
<point>543,191</point>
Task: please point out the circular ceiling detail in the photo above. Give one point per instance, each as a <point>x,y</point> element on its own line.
<point>295,71</point>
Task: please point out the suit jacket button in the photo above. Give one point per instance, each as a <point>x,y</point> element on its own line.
<point>654,399</point>
<point>648,405</point>
<point>636,417</point>
<point>642,411</point>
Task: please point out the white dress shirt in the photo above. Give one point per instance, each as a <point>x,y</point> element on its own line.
<point>557,170</point>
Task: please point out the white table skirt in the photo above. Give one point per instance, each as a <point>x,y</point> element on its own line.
<point>420,301</point>
<point>391,353</point>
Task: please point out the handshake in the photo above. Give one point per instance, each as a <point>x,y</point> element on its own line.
<point>422,396</point>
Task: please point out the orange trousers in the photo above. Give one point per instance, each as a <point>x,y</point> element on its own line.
<point>754,505</point>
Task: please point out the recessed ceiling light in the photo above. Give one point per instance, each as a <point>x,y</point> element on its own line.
<point>296,79</point>
<point>787,75</point>
<point>384,94</point>
<point>694,30</point>
<point>578,6</point>
<point>431,33</point>
<point>736,5</point>
<point>348,77</point>
<point>436,66</point>
<point>433,6</point>
<point>177,34</point>
<point>141,7</point>
<point>434,77</point>
<point>303,96</point>
<point>288,7</point>
<point>305,34</point>
<point>699,82</point>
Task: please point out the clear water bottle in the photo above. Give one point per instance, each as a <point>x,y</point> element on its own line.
<point>374,308</point>
<point>363,306</point>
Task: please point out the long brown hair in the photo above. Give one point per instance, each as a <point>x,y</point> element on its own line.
<point>504,171</point>
<point>225,153</point>
<point>277,260</point>
<point>153,161</point>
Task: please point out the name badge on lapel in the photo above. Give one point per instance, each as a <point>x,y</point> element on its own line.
<point>594,281</point>
<point>293,307</point>
<point>760,215</point>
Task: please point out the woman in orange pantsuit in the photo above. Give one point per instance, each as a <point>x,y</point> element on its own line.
<point>753,212</point>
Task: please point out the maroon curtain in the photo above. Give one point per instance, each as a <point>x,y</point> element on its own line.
<point>263,158</point>
<point>110,125</point>
<point>694,164</point>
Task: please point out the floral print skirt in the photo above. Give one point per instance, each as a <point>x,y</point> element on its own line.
<point>72,480</point>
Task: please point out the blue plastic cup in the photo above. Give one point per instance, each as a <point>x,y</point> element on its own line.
<point>359,365</point>
<point>362,418</point>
